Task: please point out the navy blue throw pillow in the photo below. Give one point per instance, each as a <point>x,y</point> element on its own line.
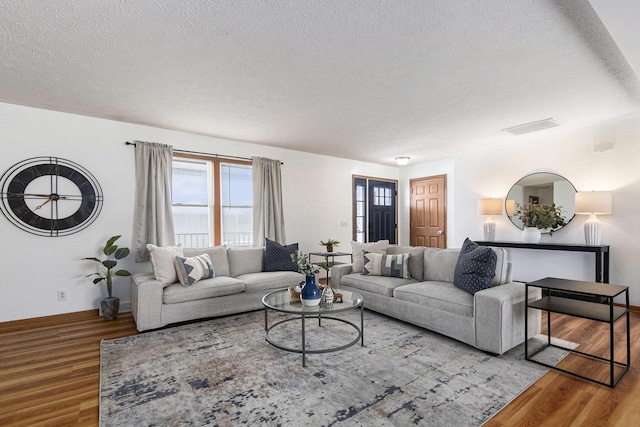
<point>475,268</point>
<point>278,257</point>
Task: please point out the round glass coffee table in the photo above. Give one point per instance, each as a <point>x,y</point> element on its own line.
<point>282,302</point>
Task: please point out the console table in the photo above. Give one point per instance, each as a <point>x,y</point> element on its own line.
<point>567,304</point>
<point>601,252</point>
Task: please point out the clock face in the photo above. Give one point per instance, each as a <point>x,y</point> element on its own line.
<point>50,196</point>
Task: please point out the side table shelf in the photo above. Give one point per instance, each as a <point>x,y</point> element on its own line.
<point>326,265</point>
<point>606,313</point>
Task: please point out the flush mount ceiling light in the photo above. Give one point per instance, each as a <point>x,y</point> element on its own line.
<point>402,160</point>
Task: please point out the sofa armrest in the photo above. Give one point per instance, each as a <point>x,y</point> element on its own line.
<point>337,271</point>
<point>146,301</point>
<point>499,314</point>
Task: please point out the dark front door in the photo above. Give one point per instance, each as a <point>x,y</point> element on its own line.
<point>382,211</point>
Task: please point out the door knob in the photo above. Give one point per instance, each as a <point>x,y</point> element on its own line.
<point>440,231</point>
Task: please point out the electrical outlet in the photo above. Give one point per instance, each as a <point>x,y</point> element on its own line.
<point>62,295</point>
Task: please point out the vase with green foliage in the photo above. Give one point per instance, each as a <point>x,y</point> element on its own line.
<point>539,218</point>
<point>543,217</point>
<point>106,272</point>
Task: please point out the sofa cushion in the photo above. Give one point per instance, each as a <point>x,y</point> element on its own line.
<point>357,252</point>
<point>192,269</point>
<point>218,256</point>
<point>270,280</point>
<point>440,264</point>
<point>395,265</point>
<point>442,296</point>
<point>416,259</point>
<point>207,288</point>
<point>475,268</point>
<point>376,284</point>
<point>245,260</point>
<point>278,257</point>
<point>162,262</point>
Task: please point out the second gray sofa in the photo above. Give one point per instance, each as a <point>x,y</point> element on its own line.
<point>491,320</point>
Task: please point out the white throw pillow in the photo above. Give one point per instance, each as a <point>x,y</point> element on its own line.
<point>357,252</point>
<point>162,262</point>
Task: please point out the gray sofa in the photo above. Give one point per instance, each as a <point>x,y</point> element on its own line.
<point>491,320</point>
<point>238,286</point>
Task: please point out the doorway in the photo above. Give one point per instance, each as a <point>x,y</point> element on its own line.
<point>374,209</point>
<point>428,212</point>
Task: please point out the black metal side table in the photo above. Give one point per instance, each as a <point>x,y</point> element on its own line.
<point>607,313</point>
<point>326,265</point>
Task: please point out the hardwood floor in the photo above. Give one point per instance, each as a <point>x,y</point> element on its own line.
<point>49,375</point>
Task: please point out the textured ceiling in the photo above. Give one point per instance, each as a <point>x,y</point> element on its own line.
<point>366,80</point>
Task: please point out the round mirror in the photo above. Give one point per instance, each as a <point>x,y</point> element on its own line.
<point>542,188</point>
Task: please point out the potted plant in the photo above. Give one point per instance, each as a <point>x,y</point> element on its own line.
<point>111,304</point>
<point>329,244</point>
<point>536,217</point>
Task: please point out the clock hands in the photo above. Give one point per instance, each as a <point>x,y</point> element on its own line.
<point>50,198</point>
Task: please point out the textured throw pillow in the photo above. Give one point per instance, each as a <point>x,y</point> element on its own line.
<point>162,262</point>
<point>396,265</point>
<point>357,252</point>
<point>373,264</point>
<point>475,268</point>
<point>278,257</point>
<point>190,270</point>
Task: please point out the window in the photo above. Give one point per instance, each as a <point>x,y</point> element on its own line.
<point>212,202</point>
<point>360,208</point>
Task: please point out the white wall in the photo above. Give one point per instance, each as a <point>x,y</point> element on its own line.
<point>317,199</point>
<point>491,173</point>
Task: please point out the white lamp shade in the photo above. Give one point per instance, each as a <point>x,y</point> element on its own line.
<point>490,207</point>
<point>593,202</point>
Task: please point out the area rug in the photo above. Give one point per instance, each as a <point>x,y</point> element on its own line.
<point>222,372</point>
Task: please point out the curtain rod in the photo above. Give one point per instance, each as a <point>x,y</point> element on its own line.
<point>204,154</point>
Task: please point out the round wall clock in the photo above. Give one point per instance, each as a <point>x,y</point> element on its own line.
<point>50,196</point>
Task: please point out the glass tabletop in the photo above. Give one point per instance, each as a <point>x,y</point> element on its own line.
<point>283,301</point>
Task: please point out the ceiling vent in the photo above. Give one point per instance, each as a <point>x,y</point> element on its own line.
<point>532,127</point>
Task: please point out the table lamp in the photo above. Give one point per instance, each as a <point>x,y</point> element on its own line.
<point>593,203</point>
<point>489,207</point>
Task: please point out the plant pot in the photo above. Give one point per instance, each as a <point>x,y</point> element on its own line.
<point>330,248</point>
<point>310,294</point>
<point>531,235</point>
<point>110,307</point>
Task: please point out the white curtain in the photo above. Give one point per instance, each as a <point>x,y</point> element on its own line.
<point>153,214</point>
<point>268,215</point>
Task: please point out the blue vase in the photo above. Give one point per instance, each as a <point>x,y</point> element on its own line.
<point>310,294</point>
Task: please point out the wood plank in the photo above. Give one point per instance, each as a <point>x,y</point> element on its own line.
<point>49,375</point>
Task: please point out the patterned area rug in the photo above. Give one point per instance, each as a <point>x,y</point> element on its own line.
<point>223,372</point>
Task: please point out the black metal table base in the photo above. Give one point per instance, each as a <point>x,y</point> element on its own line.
<point>303,349</point>
<point>607,313</point>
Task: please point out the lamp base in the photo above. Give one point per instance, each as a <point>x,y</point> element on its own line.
<point>489,230</point>
<point>592,232</point>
